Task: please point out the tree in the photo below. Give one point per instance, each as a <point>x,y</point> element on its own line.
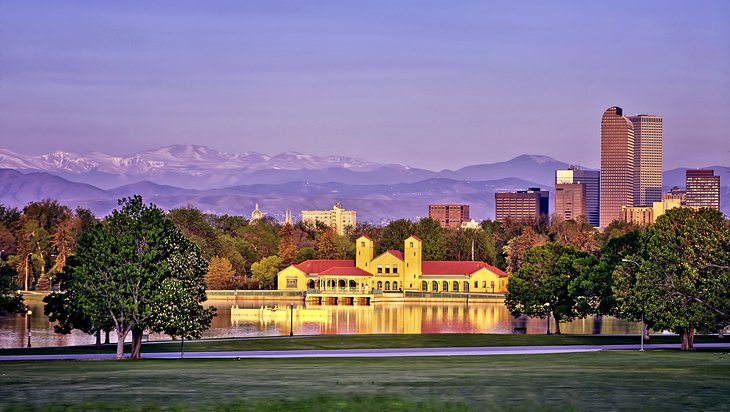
<point>432,236</point>
<point>463,244</point>
<point>11,301</point>
<point>518,246</point>
<point>394,235</point>
<point>265,271</point>
<point>327,245</point>
<point>577,233</point>
<point>137,271</point>
<point>679,281</point>
<point>220,274</point>
<point>287,250</point>
<point>541,285</point>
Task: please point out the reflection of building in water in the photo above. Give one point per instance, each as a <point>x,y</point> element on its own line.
<point>393,271</point>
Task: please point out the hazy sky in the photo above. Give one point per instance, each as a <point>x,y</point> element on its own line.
<point>434,84</point>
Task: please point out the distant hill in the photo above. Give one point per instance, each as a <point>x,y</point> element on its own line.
<point>199,167</point>
<point>374,203</point>
<point>219,182</point>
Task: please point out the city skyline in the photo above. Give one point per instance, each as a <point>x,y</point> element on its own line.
<point>502,80</point>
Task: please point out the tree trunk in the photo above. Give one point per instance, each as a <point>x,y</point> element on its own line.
<point>121,335</point>
<point>136,352</point>
<point>106,337</point>
<point>98,338</point>
<point>557,326</point>
<point>688,339</point>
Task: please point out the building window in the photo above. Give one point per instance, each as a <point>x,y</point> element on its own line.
<point>411,244</point>
<point>456,286</point>
<point>466,286</point>
<point>362,244</point>
<point>387,285</point>
<point>387,268</point>
<point>380,285</point>
<point>476,284</point>
<point>395,269</point>
<point>445,286</point>
<point>484,284</point>
<point>424,286</point>
<point>395,285</point>
<point>435,286</point>
<point>380,268</point>
<point>291,283</point>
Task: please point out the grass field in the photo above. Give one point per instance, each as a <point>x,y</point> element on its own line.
<point>366,342</point>
<point>616,380</point>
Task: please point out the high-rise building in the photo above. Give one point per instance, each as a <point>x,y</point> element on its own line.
<point>617,164</point>
<point>449,215</point>
<point>590,179</point>
<point>337,218</point>
<point>647,159</point>
<point>703,188</point>
<point>676,193</point>
<point>527,205</point>
<point>570,200</point>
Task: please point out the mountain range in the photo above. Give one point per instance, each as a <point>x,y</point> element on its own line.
<point>219,182</point>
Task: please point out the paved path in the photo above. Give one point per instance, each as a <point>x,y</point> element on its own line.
<point>370,353</point>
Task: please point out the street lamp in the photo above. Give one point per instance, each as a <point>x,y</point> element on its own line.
<point>29,312</point>
<point>291,319</point>
<point>643,325</point>
<point>547,308</point>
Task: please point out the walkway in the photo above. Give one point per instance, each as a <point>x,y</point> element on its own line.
<point>370,353</point>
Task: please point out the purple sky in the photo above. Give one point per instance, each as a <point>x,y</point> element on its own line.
<point>433,84</point>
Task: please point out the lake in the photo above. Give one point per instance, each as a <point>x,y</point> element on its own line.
<point>379,318</point>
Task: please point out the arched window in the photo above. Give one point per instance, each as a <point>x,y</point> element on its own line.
<point>445,286</point>
<point>395,285</point>
<point>387,285</point>
<point>435,286</point>
<point>310,284</point>
<point>353,284</point>
<point>380,285</point>
<point>424,286</point>
<point>342,283</point>
<point>456,286</point>
<point>466,286</point>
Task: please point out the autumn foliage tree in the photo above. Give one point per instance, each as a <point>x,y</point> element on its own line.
<point>220,274</point>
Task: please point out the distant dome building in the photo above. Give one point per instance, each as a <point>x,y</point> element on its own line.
<point>256,214</point>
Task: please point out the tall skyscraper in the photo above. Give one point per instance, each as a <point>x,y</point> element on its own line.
<point>647,159</point>
<point>617,164</point>
<point>590,179</point>
<point>527,205</point>
<point>703,188</point>
<point>449,215</point>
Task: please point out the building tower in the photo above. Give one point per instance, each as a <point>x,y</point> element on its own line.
<point>703,188</point>
<point>590,180</point>
<point>525,205</point>
<point>256,215</point>
<point>452,215</point>
<point>617,164</point>
<point>647,159</point>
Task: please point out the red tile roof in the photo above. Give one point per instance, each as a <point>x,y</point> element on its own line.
<point>319,266</point>
<point>445,267</point>
<point>396,253</point>
<point>344,271</point>
<point>416,237</point>
<point>367,237</point>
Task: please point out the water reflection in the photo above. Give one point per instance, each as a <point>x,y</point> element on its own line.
<point>398,318</point>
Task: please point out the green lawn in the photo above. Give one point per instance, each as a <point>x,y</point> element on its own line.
<point>616,380</point>
<point>367,342</point>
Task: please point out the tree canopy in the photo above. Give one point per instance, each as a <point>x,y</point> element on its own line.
<point>680,280</point>
<point>136,272</point>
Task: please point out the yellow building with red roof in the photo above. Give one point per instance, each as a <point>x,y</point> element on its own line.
<point>393,271</point>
